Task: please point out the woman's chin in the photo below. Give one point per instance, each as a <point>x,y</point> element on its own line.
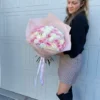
<point>71,12</point>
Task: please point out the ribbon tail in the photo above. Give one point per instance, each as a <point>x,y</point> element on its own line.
<point>42,71</point>
<point>38,70</point>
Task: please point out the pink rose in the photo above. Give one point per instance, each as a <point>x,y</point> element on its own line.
<point>32,40</point>
<point>47,43</point>
<point>41,41</point>
<point>49,35</point>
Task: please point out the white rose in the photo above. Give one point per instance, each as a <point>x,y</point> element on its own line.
<point>36,41</point>
<point>57,37</point>
<point>51,39</point>
<point>53,35</point>
<point>43,35</point>
<point>42,45</point>
<point>49,47</point>
<point>39,37</point>
<point>36,33</point>
<point>61,42</point>
<point>47,31</point>
<point>54,47</point>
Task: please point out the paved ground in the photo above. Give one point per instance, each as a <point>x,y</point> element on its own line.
<point>6,98</point>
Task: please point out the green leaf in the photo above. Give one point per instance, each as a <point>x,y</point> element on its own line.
<point>38,59</point>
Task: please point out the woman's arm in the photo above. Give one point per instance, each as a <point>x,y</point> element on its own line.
<point>78,35</point>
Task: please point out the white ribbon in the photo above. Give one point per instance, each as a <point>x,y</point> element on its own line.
<point>40,70</point>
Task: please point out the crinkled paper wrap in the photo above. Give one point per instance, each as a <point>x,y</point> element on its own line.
<point>49,20</point>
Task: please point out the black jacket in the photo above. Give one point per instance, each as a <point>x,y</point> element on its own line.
<point>79,30</point>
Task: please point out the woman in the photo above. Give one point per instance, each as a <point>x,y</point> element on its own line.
<point>70,61</point>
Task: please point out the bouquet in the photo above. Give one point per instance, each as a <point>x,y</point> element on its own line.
<point>48,36</point>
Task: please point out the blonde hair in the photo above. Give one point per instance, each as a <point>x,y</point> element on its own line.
<point>84,8</point>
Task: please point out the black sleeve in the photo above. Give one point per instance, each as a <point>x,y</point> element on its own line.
<point>78,33</point>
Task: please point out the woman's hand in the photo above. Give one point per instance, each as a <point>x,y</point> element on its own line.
<point>60,54</point>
